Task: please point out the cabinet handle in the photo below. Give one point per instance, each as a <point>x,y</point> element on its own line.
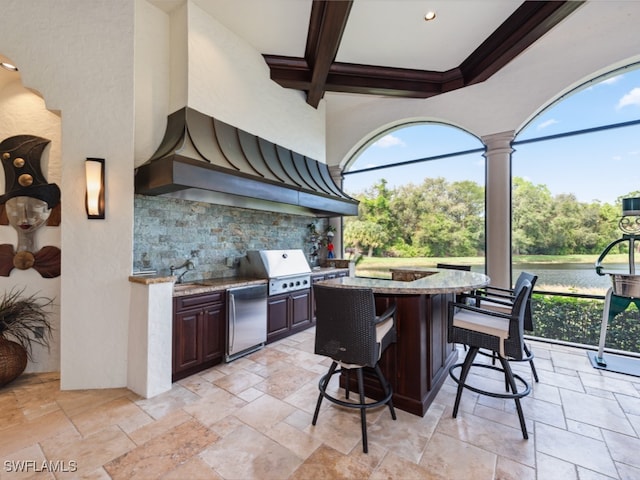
<point>232,337</point>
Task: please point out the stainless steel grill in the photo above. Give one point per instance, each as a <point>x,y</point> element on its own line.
<point>286,270</point>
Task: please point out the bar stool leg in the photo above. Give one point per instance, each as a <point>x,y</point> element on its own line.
<point>363,412</point>
<point>533,367</point>
<point>324,382</point>
<point>347,384</point>
<point>514,390</point>
<point>386,387</point>
<point>466,366</point>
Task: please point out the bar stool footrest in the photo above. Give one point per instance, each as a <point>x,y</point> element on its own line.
<point>354,404</point>
<point>513,395</point>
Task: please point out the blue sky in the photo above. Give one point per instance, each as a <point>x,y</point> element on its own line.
<point>595,167</point>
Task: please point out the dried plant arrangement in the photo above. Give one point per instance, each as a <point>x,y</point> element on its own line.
<point>24,319</point>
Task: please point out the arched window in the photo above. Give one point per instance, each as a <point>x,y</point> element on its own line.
<point>571,166</point>
<point>421,188</point>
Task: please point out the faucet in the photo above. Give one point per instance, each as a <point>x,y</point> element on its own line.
<point>187,265</point>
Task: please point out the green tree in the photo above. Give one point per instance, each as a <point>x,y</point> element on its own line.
<point>607,225</point>
<point>531,216</point>
<point>444,219</point>
<point>439,218</point>
<point>364,234</point>
<point>375,207</point>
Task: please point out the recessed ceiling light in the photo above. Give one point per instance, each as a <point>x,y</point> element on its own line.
<point>429,16</point>
<point>8,66</point>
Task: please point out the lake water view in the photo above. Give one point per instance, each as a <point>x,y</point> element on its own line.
<point>579,276</point>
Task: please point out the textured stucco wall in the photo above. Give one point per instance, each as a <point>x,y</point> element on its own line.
<point>79,57</point>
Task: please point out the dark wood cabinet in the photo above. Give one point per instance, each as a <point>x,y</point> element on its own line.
<point>199,323</point>
<point>300,303</point>
<point>288,313</point>
<point>277,317</point>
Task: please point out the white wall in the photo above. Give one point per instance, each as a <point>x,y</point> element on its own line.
<point>152,86</point>
<point>79,56</point>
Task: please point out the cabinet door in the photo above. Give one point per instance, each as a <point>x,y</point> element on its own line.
<point>277,315</point>
<point>185,340</point>
<point>300,317</point>
<point>199,326</point>
<point>213,332</point>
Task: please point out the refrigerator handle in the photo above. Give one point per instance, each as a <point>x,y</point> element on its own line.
<point>232,323</point>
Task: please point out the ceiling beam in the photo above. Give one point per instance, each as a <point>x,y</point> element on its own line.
<point>326,26</point>
<point>522,29</point>
<point>318,72</point>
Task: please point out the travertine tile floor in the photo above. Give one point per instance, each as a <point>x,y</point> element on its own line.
<point>251,419</point>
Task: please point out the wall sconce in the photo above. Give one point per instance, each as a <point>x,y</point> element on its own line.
<point>94,200</point>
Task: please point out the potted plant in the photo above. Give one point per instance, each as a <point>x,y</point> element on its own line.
<point>23,322</point>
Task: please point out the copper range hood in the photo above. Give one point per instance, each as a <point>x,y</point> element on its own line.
<point>206,160</point>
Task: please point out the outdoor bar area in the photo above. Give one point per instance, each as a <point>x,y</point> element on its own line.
<point>417,364</point>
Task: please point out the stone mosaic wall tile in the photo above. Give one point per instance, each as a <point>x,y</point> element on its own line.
<point>168,231</point>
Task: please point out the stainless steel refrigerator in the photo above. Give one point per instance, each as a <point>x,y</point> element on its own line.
<point>246,320</point>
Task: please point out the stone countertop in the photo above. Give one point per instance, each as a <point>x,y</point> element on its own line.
<point>416,280</point>
<point>214,285</point>
<point>323,270</point>
<point>151,279</point>
<point>199,286</point>
<point>218,284</point>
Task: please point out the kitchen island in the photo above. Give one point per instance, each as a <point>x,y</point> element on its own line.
<point>418,363</point>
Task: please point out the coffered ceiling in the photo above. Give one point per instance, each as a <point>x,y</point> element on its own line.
<point>376,62</point>
<point>387,47</point>
<point>320,70</point>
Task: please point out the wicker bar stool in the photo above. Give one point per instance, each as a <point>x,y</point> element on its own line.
<point>501,300</point>
<point>494,331</point>
<point>349,332</point>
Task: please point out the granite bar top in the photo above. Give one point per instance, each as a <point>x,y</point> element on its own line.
<point>416,280</point>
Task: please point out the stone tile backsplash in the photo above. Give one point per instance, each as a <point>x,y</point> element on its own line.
<point>169,231</point>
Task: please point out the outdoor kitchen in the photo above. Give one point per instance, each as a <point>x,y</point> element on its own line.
<point>192,255</point>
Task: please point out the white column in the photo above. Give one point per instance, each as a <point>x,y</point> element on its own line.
<point>336,173</point>
<point>150,336</point>
<point>498,207</point>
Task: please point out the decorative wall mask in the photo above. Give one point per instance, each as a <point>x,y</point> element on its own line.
<point>28,202</point>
